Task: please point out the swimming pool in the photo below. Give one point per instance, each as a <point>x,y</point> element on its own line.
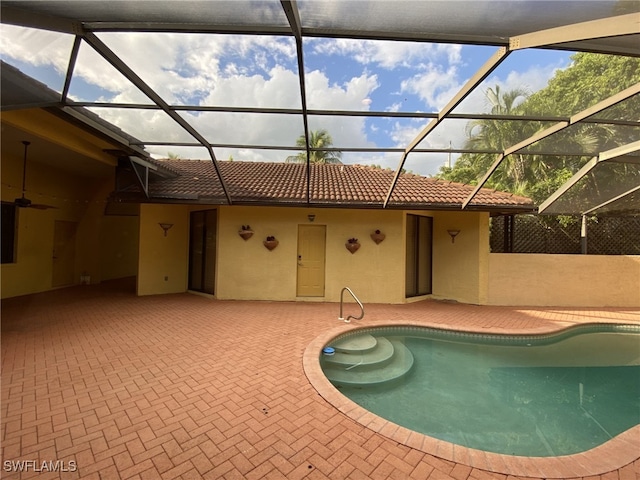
<point>535,396</point>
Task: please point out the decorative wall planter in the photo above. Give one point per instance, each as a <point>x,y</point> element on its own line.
<point>246,233</point>
<point>378,236</point>
<point>270,243</point>
<point>352,245</point>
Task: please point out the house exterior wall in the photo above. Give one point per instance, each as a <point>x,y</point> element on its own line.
<point>461,267</point>
<point>163,261</point>
<point>76,199</point>
<point>33,269</point>
<point>119,245</point>
<point>246,270</point>
<point>564,280</point>
<point>115,247</point>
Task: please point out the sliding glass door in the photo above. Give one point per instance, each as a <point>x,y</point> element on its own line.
<point>202,251</point>
<point>418,262</point>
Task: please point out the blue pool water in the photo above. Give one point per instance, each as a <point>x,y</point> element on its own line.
<point>539,396</point>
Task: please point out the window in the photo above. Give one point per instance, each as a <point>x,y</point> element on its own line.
<point>8,232</point>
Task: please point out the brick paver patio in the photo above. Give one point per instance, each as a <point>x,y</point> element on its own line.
<point>114,386</point>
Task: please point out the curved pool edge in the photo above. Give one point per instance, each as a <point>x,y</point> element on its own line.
<point>616,453</point>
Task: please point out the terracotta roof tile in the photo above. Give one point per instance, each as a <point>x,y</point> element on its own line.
<point>282,183</point>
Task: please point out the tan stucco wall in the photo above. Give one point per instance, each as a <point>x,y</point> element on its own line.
<point>90,232</point>
<point>564,280</point>
<point>32,272</point>
<point>76,199</point>
<point>461,269</point>
<point>247,270</point>
<point>163,261</point>
<point>119,245</point>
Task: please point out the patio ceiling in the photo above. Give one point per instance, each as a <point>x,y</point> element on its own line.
<point>505,27</point>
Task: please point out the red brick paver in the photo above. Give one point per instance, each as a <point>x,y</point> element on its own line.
<point>110,385</point>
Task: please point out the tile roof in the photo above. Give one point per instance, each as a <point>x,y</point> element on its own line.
<point>331,185</point>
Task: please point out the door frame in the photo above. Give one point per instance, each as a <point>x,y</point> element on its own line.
<point>419,255</point>
<point>205,264</point>
<point>301,227</point>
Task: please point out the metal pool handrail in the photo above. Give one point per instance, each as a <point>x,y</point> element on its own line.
<point>349,317</point>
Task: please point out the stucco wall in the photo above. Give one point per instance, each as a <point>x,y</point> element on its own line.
<point>76,199</point>
<point>461,268</point>
<point>163,261</point>
<point>247,270</point>
<point>32,272</point>
<point>564,280</point>
<point>119,246</point>
<point>376,273</point>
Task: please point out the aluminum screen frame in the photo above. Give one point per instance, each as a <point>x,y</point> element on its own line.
<point>596,26</point>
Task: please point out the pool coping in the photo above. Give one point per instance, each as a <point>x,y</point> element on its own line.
<point>612,455</point>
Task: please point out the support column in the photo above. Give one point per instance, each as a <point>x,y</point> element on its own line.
<point>583,235</point>
<point>508,233</point>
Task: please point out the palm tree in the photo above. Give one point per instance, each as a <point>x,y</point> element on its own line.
<point>317,139</point>
<point>500,134</point>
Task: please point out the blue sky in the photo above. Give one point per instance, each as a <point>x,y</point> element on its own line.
<point>261,71</point>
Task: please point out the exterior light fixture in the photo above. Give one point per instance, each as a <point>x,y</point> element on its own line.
<point>454,234</point>
<point>311,217</point>
<point>165,227</point>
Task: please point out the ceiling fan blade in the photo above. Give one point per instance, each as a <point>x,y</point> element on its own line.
<point>41,206</point>
<point>22,202</point>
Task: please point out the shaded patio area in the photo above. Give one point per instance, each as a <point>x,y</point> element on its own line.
<point>182,386</point>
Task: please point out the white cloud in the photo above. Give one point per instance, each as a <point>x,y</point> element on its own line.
<point>261,71</point>
<point>387,54</point>
<point>403,133</point>
<point>37,47</point>
<point>277,88</point>
<point>280,88</point>
<point>395,107</point>
<point>92,69</point>
<point>532,79</point>
<point>427,164</point>
<point>348,96</point>
<point>345,131</point>
<point>435,87</point>
<point>186,68</point>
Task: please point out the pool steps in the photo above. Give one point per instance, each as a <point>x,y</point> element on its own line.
<point>376,356</point>
<point>367,360</point>
<point>357,344</point>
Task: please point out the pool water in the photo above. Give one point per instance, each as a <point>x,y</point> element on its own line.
<point>532,396</point>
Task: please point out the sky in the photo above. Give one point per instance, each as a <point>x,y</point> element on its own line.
<point>262,71</point>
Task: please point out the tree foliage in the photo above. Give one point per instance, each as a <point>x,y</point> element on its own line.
<point>589,79</point>
<point>317,139</point>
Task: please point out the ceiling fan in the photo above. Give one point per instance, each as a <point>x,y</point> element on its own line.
<point>24,202</point>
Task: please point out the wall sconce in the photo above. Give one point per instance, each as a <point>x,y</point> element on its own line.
<point>454,234</point>
<point>165,227</point>
<point>311,217</point>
